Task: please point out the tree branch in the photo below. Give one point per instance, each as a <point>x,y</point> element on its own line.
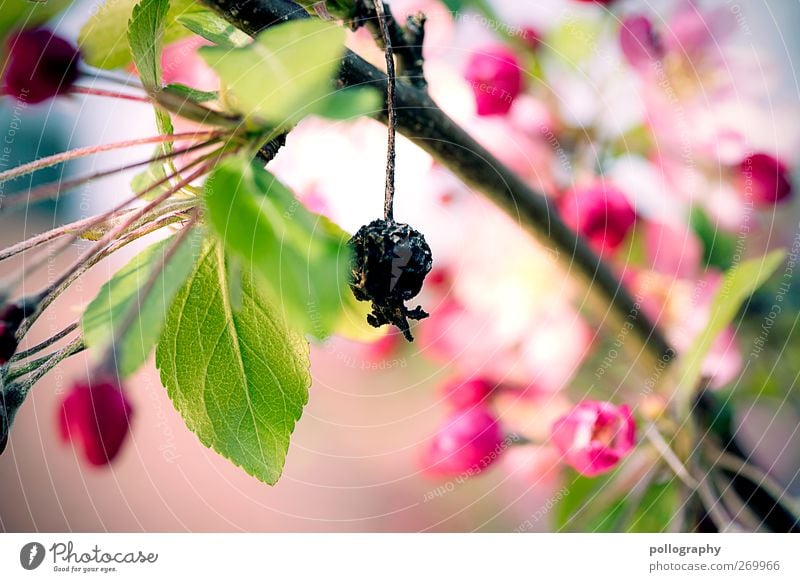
<point>424,123</point>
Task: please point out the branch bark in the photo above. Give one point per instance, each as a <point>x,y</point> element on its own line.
<point>423,122</point>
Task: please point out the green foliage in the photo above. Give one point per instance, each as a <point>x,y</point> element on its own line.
<point>238,376</point>
<point>303,257</point>
<point>601,504</point>
<point>739,283</point>
<point>718,245</point>
<point>104,37</point>
<point>123,293</point>
<point>350,103</point>
<point>145,37</point>
<point>190,94</point>
<point>146,41</point>
<point>214,29</point>
<point>284,75</point>
<point>15,14</point>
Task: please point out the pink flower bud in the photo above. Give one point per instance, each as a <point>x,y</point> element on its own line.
<point>468,442</point>
<point>764,178</point>
<point>601,213</point>
<point>496,78</point>
<point>10,318</point>
<point>531,37</point>
<point>594,436</point>
<point>97,416</point>
<point>640,44</point>
<point>462,394</point>
<point>40,65</point>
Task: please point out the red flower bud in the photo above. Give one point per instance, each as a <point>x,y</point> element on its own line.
<point>97,416</point>
<point>40,65</point>
<point>462,394</point>
<point>468,442</point>
<point>601,213</point>
<point>496,79</point>
<point>10,318</point>
<point>531,37</point>
<point>764,178</point>
<point>594,436</point>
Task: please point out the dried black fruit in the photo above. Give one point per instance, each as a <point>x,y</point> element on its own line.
<point>390,262</point>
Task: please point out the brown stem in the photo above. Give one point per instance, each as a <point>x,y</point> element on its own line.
<point>49,190</point>
<point>388,203</point>
<point>96,149</point>
<point>106,93</point>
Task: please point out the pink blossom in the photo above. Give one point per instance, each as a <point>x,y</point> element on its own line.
<point>640,44</point>
<point>462,393</point>
<point>468,442</point>
<point>180,63</point>
<point>601,213</point>
<point>765,179</point>
<point>594,436</point>
<point>672,249</point>
<point>496,78</point>
<point>96,415</point>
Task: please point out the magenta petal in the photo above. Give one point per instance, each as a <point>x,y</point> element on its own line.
<point>639,42</point>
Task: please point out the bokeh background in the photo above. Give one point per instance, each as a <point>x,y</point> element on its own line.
<point>354,463</point>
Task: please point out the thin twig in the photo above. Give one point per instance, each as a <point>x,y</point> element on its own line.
<point>106,93</point>
<point>737,466</point>
<point>388,203</point>
<point>670,457</point>
<point>45,344</point>
<point>74,347</point>
<point>45,237</point>
<point>99,219</point>
<point>96,149</point>
<point>49,190</point>
<point>123,241</point>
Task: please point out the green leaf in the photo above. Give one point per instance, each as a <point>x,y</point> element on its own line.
<point>719,246</point>
<point>191,94</point>
<point>15,14</point>
<point>658,508</point>
<point>282,75</point>
<point>104,37</point>
<point>145,37</point>
<point>350,103</point>
<point>604,504</point>
<point>146,40</point>
<point>123,293</point>
<point>739,283</point>
<point>214,29</point>
<point>238,377</point>
<point>579,507</point>
<point>154,173</point>
<point>303,257</point>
